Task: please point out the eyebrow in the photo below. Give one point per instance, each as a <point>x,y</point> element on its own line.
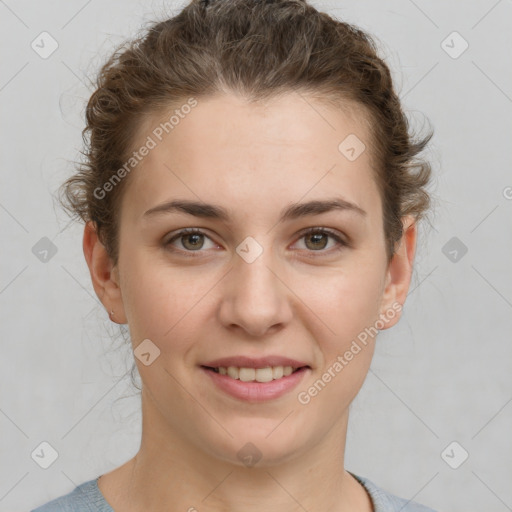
<point>293,211</point>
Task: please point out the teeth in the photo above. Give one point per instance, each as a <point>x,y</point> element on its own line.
<point>256,374</point>
<point>278,372</point>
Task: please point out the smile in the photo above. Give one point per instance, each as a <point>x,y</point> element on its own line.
<point>255,384</point>
<point>266,374</point>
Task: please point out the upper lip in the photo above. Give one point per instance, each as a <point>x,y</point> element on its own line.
<point>254,362</point>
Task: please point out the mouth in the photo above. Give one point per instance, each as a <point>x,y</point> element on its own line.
<point>261,375</point>
<point>256,384</point>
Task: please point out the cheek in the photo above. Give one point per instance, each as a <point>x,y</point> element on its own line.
<point>159,301</point>
<point>347,308</point>
<point>345,302</point>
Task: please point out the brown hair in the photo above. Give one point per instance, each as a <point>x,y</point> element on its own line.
<point>260,49</point>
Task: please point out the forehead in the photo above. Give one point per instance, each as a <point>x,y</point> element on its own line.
<point>253,155</point>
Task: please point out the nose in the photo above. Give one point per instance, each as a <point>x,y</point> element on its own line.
<point>255,298</point>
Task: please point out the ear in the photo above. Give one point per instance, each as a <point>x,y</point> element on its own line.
<point>104,276</point>
<point>398,275</point>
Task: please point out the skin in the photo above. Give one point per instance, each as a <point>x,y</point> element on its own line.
<point>300,298</point>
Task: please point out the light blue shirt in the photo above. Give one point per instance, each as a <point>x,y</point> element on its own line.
<point>88,498</point>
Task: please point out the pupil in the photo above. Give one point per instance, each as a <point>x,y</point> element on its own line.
<point>315,237</point>
<point>195,236</point>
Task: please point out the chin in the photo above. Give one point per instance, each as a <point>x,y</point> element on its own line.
<point>256,448</point>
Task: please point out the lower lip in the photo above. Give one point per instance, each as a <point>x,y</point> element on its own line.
<point>256,391</point>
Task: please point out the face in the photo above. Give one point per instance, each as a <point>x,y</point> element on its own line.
<point>254,280</point>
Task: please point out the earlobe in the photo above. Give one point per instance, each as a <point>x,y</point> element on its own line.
<point>399,272</point>
<point>104,276</point>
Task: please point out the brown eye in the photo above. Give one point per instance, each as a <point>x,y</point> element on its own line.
<point>192,241</point>
<point>317,240</point>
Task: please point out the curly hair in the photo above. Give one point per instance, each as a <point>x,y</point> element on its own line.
<point>258,49</point>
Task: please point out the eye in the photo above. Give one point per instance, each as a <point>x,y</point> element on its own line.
<point>191,240</point>
<point>316,239</point>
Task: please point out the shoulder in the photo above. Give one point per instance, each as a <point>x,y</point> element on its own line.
<point>84,498</point>
<point>386,502</point>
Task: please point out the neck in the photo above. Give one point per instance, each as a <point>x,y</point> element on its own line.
<point>172,473</point>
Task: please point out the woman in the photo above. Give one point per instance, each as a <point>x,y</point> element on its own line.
<point>251,197</point>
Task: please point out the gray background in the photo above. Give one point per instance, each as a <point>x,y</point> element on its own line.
<point>443,374</point>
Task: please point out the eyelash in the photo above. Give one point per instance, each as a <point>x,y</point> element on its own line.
<point>312,231</point>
